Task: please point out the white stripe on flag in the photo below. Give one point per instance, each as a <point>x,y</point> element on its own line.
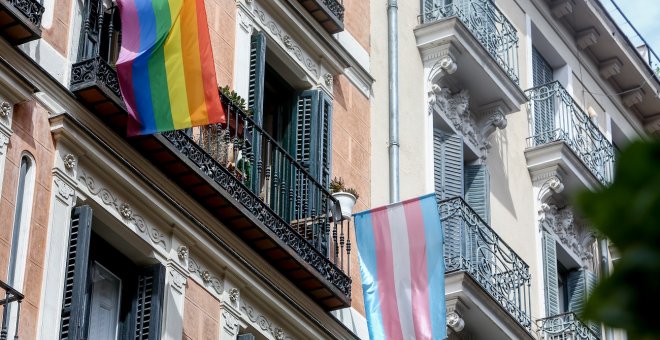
<point>401,262</point>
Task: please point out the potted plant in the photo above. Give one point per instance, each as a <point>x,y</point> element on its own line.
<point>346,196</point>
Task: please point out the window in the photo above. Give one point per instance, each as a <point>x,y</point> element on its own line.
<point>101,31</point>
<point>298,120</point>
<point>20,234</point>
<point>566,286</point>
<point>106,295</point>
<point>544,109</point>
<point>454,176</point>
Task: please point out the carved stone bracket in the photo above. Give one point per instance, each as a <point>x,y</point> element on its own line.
<point>230,322</point>
<point>572,233</point>
<point>455,322</point>
<point>4,141</point>
<point>444,66</point>
<point>551,187</point>
<point>125,210</point>
<point>263,323</point>
<point>65,192</point>
<point>179,280</point>
<point>205,275</point>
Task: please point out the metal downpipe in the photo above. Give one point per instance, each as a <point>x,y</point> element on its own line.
<point>393,73</point>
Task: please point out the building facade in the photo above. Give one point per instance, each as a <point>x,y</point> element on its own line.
<point>507,108</point>
<point>217,232</point>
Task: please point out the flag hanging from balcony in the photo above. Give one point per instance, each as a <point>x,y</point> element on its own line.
<point>403,270</point>
<point>165,66</point>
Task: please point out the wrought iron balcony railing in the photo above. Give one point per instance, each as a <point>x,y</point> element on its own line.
<point>557,117</point>
<point>20,20</point>
<point>11,300</point>
<point>472,246</point>
<point>488,25</point>
<point>329,13</point>
<point>563,327</point>
<point>274,187</point>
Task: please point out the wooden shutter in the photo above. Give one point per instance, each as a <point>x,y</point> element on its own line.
<point>245,337</point>
<point>550,274</point>
<point>448,164</point>
<point>147,306</point>
<point>580,284</point>
<point>477,190</point>
<point>257,72</point>
<point>256,101</point>
<point>73,324</point>
<point>544,115</point>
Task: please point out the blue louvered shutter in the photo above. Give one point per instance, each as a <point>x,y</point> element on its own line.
<point>147,308</point>
<point>550,275</point>
<point>448,181</point>
<point>477,190</point>
<point>477,197</point>
<point>544,108</point>
<point>73,324</point>
<point>448,164</point>
<point>580,284</point>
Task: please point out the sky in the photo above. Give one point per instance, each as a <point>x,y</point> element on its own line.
<point>645,16</point>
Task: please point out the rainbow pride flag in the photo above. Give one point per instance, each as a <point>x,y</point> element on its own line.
<point>403,270</point>
<point>165,66</point>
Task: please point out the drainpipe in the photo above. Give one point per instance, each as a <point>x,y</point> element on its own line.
<point>393,68</point>
<point>605,272</point>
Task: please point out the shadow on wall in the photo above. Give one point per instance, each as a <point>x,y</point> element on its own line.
<point>500,188</point>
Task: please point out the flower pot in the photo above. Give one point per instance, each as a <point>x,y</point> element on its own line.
<point>346,203</point>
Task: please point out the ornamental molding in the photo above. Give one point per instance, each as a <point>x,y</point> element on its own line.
<point>4,141</point>
<point>475,128</point>
<point>64,191</point>
<point>572,234</point>
<point>230,322</point>
<point>124,210</point>
<point>69,161</point>
<point>234,294</point>
<point>286,41</point>
<point>208,279</point>
<point>179,281</point>
<point>6,109</point>
<point>263,323</point>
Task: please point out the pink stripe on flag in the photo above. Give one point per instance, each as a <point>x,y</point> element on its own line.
<point>384,264</point>
<point>130,46</point>
<point>418,270</point>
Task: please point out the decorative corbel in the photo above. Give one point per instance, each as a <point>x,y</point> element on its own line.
<point>444,66</point>
<point>551,187</point>
<point>492,118</point>
<point>455,310</point>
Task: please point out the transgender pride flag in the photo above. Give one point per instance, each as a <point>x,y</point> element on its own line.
<point>403,270</point>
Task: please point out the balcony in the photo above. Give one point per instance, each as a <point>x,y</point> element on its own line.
<point>20,20</point>
<point>10,309</point>
<point>471,45</point>
<point>564,326</point>
<point>564,136</point>
<point>474,253</point>
<point>329,13</point>
<point>488,25</point>
<point>268,199</point>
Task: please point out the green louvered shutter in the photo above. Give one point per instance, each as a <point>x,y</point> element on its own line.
<point>550,274</point>
<point>477,190</point>
<point>73,324</point>
<point>147,308</point>
<point>544,115</point>
<point>256,102</point>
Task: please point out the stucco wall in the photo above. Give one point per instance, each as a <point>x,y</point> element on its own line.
<point>357,19</point>
<point>201,314</point>
<point>221,15</point>
<point>31,135</point>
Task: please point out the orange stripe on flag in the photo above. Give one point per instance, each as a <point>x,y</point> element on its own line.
<point>191,63</point>
<point>215,111</point>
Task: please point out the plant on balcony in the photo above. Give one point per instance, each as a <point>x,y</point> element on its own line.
<point>346,196</point>
<point>235,99</point>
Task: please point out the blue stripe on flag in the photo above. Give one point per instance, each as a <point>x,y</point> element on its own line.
<point>435,265</point>
<point>364,235</point>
